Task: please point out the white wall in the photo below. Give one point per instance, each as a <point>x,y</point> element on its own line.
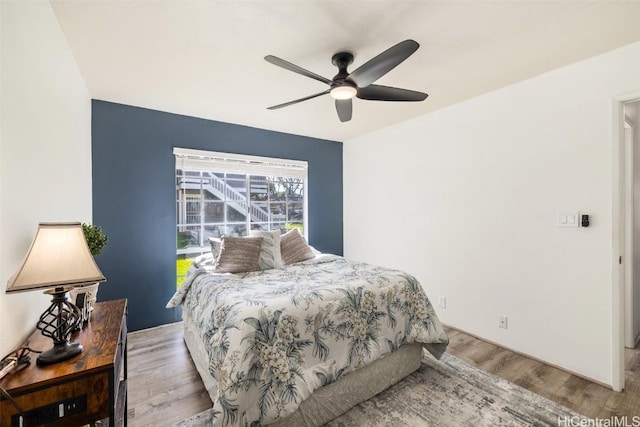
<point>466,198</point>
<point>45,148</point>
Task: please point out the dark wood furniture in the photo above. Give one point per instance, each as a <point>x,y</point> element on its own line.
<point>87,388</point>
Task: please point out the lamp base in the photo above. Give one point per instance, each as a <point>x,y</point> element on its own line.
<point>57,322</point>
<point>58,353</point>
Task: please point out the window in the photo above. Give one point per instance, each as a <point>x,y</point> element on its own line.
<point>228,194</point>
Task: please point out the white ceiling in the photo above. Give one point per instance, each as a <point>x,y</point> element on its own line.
<point>205,58</point>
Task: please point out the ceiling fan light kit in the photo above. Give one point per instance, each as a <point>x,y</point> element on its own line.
<point>345,86</point>
<point>343,92</point>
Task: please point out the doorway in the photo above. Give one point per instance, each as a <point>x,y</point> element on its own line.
<point>626,231</point>
<point>631,111</point>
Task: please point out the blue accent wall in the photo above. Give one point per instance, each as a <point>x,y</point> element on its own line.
<point>134,195</point>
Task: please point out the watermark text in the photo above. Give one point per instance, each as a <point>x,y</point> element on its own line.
<point>615,421</point>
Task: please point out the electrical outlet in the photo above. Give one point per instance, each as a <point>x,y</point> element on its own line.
<point>502,322</point>
<point>50,413</point>
<point>442,302</point>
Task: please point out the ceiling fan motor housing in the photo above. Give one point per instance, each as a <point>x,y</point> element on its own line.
<point>342,88</point>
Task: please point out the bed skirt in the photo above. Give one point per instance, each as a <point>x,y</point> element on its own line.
<point>332,400</point>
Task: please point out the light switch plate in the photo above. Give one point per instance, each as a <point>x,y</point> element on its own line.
<point>568,219</point>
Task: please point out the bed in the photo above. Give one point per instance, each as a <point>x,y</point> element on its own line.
<point>300,345</point>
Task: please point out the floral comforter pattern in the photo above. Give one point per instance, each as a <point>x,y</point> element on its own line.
<point>275,336</point>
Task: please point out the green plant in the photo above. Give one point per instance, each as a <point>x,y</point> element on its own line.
<point>299,226</point>
<point>96,239</point>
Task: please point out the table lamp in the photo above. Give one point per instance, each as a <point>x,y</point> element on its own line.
<point>58,260</point>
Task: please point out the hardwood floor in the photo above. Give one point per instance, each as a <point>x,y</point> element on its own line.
<point>583,396</point>
<point>164,386</point>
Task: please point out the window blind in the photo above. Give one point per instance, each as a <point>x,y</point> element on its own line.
<point>199,160</point>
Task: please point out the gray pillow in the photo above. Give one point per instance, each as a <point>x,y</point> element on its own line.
<point>270,250</point>
<point>239,255</point>
<point>293,248</point>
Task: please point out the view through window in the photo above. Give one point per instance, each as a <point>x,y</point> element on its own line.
<point>222,194</point>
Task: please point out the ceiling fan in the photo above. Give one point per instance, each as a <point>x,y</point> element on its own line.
<point>358,83</point>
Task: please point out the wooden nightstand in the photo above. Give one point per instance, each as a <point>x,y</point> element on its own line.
<point>87,388</point>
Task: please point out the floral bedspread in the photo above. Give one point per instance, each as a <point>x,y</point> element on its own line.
<point>275,336</point>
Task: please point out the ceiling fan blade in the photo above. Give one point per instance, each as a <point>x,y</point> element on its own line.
<point>377,67</point>
<point>386,93</point>
<point>286,104</point>
<point>344,107</point>
<point>293,67</point>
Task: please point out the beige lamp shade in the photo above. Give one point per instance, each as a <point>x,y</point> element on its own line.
<point>58,256</point>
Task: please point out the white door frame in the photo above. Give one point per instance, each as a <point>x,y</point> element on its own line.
<point>630,225</point>
<point>622,229</point>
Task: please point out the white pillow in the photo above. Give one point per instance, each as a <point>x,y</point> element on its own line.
<point>204,259</point>
<point>215,246</point>
<point>270,256</point>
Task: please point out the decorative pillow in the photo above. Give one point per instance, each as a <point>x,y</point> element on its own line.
<point>239,254</point>
<point>204,259</point>
<point>315,251</point>
<point>270,250</point>
<point>215,246</point>
<point>293,248</point>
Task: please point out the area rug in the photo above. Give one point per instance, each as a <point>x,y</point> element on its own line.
<point>448,392</point>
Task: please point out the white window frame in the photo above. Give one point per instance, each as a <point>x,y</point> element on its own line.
<point>200,160</point>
